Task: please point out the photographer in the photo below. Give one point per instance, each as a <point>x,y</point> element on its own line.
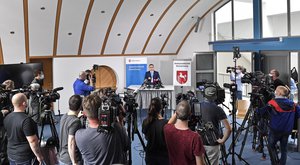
<point>213,114</point>
<point>23,143</point>
<point>282,113</point>
<point>80,87</point>
<point>156,150</point>
<point>238,76</point>
<point>184,146</point>
<point>97,146</point>
<point>69,124</point>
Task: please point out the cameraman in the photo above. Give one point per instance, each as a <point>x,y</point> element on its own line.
<point>80,87</point>
<point>99,147</point>
<point>23,143</point>
<point>282,113</point>
<point>211,113</point>
<point>69,124</point>
<point>238,76</point>
<point>184,145</point>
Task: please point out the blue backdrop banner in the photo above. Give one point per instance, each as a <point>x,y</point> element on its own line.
<point>135,71</point>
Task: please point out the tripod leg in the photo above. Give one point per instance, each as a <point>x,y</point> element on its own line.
<point>223,154</point>
<point>141,139</point>
<point>244,140</point>
<point>240,130</point>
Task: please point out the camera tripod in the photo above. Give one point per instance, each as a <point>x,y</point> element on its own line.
<point>132,128</point>
<point>233,93</point>
<point>48,119</point>
<point>260,128</point>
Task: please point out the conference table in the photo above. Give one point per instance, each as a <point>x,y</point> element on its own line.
<point>144,95</point>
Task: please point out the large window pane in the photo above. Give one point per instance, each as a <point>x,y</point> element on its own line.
<point>224,23</point>
<point>295,17</point>
<point>243,19</point>
<point>274,18</point>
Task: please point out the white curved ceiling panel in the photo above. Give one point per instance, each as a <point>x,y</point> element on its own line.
<point>70,26</point>
<point>41,22</point>
<point>98,23</point>
<point>145,25</point>
<point>122,25</point>
<point>183,28</point>
<point>166,25</point>
<point>12,31</point>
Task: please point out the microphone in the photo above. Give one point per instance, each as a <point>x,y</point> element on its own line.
<point>58,89</point>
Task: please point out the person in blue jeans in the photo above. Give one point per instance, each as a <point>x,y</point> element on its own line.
<point>283,113</point>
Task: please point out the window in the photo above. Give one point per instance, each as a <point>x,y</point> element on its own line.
<point>295,15</point>
<point>243,19</point>
<point>274,18</point>
<point>223,22</point>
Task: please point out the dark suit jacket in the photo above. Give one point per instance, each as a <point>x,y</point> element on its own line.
<point>155,75</point>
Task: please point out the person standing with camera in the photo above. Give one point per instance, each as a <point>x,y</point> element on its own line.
<point>185,146</point>
<point>282,113</point>
<point>69,124</point>
<point>238,74</point>
<point>23,143</point>
<point>96,145</point>
<point>80,87</point>
<point>156,149</point>
<point>213,115</point>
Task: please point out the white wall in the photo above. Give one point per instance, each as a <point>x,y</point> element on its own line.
<point>66,70</point>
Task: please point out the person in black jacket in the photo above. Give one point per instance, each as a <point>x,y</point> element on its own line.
<point>156,149</point>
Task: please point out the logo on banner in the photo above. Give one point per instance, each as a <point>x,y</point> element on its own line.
<point>182,76</point>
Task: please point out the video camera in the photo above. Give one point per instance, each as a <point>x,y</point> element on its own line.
<point>130,101</point>
<point>220,92</point>
<point>189,96</point>
<point>111,108</point>
<point>48,97</point>
<point>261,85</point>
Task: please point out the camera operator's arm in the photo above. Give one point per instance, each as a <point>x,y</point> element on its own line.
<point>71,148</point>
<point>172,119</point>
<point>227,131</point>
<point>71,140</point>
<point>29,129</point>
<point>86,87</point>
<point>4,112</point>
<point>34,145</point>
<point>199,160</point>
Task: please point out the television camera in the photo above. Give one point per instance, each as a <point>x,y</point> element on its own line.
<point>46,98</point>
<point>110,111</point>
<point>261,87</point>
<point>220,92</point>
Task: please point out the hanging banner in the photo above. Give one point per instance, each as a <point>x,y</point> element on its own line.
<point>135,71</point>
<point>182,72</point>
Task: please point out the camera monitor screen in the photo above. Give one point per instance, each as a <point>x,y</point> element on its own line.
<point>21,74</point>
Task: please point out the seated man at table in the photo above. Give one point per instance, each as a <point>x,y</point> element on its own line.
<point>152,77</point>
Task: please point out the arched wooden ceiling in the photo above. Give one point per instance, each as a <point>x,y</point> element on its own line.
<point>60,28</point>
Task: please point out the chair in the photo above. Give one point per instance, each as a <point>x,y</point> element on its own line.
<point>242,108</point>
